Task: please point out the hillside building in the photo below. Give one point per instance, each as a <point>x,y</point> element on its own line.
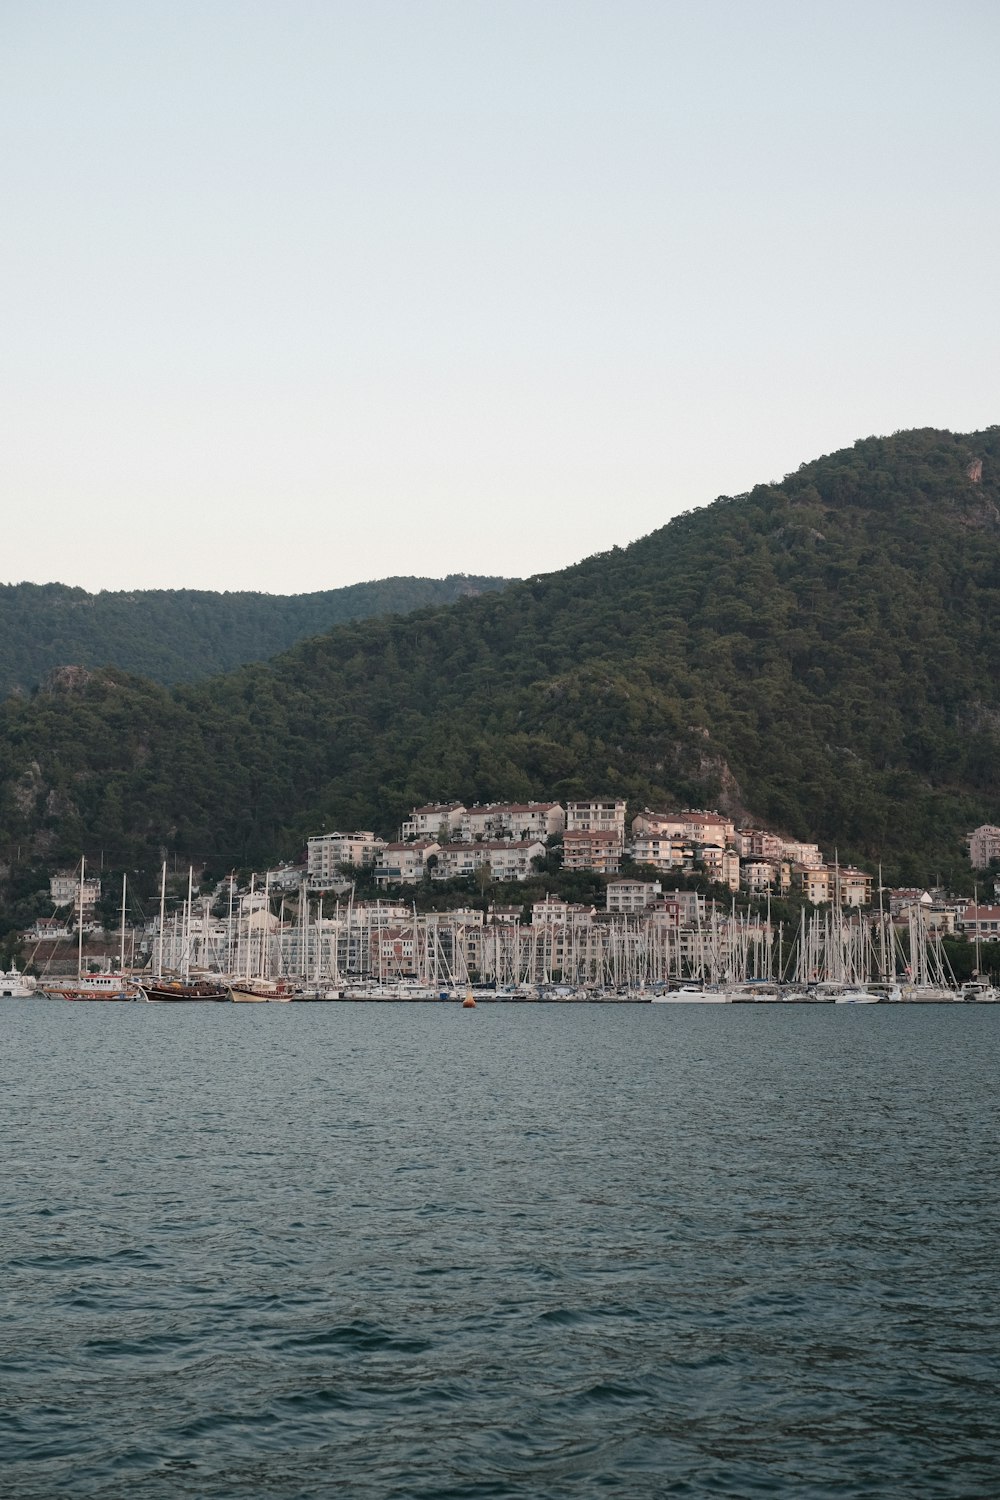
<point>328,852</point>
<point>513,820</point>
<point>693,826</point>
<point>404,864</point>
<point>766,874</point>
<point>720,865</point>
<point>65,891</point>
<point>598,815</point>
<point>984,846</point>
<point>661,850</point>
<point>826,882</point>
<point>629,897</point>
<point>506,860</point>
<point>595,849</point>
<point>437,820</point>
<point>980,923</point>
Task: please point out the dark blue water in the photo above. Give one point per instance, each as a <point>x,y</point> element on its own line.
<point>390,1250</point>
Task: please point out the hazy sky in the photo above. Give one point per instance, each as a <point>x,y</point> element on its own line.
<point>296,294</point>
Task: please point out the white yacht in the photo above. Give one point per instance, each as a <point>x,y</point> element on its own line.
<point>16,986</point>
<point>693,994</point>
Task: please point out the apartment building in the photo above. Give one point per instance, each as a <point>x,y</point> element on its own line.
<point>327,852</point>
<point>593,849</point>
<point>710,828</point>
<point>64,890</point>
<point>980,923</point>
<point>662,851</point>
<point>759,844</point>
<point>822,883</point>
<point>984,846</point>
<point>552,909</point>
<point>598,815</point>
<point>506,859</point>
<point>436,820</point>
<point>720,865</point>
<point>801,854</point>
<point>766,874</point>
<point>692,826</point>
<point>629,897</point>
<point>516,820</point>
<point>404,864</point>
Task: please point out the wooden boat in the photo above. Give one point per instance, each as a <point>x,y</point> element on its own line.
<point>258,990</point>
<point>171,991</point>
<point>93,987</point>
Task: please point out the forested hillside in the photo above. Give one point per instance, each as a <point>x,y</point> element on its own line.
<point>178,635</point>
<point>820,652</point>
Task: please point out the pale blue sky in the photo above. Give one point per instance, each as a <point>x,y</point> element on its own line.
<point>297,294</point>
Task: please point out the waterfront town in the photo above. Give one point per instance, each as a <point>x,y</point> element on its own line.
<point>348,914</point>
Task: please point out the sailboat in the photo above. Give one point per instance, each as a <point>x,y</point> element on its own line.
<point>107,986</point>
<point>257,988</point>
<point>171,989</point>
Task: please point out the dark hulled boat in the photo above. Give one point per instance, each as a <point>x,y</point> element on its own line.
<point>173,991</point>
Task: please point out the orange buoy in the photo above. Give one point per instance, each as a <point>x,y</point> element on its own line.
<point>469,1003</point>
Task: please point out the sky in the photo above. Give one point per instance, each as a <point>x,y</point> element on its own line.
<point>301,293</point>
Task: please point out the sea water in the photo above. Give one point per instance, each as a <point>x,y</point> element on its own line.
<point>411,1250</point>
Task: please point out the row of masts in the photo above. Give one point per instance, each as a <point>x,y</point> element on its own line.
<point>374,943</point>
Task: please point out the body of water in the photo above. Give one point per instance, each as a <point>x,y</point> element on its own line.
<point>534,1251</point>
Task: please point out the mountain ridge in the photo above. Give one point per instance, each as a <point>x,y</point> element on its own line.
<point>174,635</point>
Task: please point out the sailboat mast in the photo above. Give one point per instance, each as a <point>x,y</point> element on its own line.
<point>163,907</point>
<point>187,925</point>
<point>253,877</point>
<point>121,958</point>
<point>79,921</point>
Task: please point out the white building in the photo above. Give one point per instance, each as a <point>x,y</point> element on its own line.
<point>597,815</point>
<point>766,874</point>
<point>661,850</point>
<point>984,846</point>
<point>515,820</point>
<point>65,891</point>
<point>691,905</point>
<point>403,863</point>
<point>693,826</point>
<point>632,896</point>
<point>436,820</point>
<point>721,865</point>
<point>801,854</point>
<point>328,852</point>
<point>506,860</point>
<point>48,930</point>
<point>552,909</point>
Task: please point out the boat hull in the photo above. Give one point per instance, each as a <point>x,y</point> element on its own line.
<point>258,992</point>
<point>89,991</point>
<point>174,994</point>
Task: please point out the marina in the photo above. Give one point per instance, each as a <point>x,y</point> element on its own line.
<point>267,950</point>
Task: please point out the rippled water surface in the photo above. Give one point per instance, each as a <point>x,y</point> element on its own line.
<point>391,1250</point>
